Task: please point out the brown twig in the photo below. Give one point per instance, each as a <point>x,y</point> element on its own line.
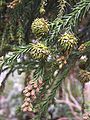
<point>83,98</point>
<point>69,100</point>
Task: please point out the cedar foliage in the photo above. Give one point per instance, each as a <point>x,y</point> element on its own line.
<point>48,52</point>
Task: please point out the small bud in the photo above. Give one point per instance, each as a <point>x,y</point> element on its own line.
<point>25,109</point>
<point>27,95</point>
<point>27,99</point>
<point>34,97</point>
<point>25,91</point>
<point>37,90</point>
<point>26,103</point>
<point>40,81</point>
<point>29,87</point>
<point>35,85</point>
<point>32,92</point>
<point>31,82</point>
<point>23,106</point>
<point>29,109</point>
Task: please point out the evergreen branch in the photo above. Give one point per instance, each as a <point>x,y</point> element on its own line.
<point>62,5</point>
<point>4,80</point>
<point>37,52</point>
<point>44,104</point>
<point>12,60</point>
<point>62,74</point>
<point>70,20</point>
<point>78,12</point>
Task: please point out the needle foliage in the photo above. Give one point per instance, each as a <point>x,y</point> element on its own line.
<point>50,46</point>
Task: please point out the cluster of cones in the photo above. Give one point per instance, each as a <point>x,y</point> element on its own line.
<point>84,76</point>
<point>62,61</point>
<point>82,48</point>
<point>86,116</point>
<point>13,4</point>
<point>30,94</point>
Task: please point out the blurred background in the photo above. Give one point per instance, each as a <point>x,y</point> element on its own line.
<point>67,105</point>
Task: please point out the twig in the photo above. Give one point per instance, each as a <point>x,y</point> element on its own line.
<point>71,105</point>
<point>69,100</point>
<point>71,96</point>
<point>83,98</point>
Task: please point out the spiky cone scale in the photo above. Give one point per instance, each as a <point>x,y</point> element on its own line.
<point>68,41</point>
<point>39,27</point>
<point>39,51</point>
<point>84,76</point>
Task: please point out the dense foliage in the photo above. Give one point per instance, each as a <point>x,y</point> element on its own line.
<point>44,38</point>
